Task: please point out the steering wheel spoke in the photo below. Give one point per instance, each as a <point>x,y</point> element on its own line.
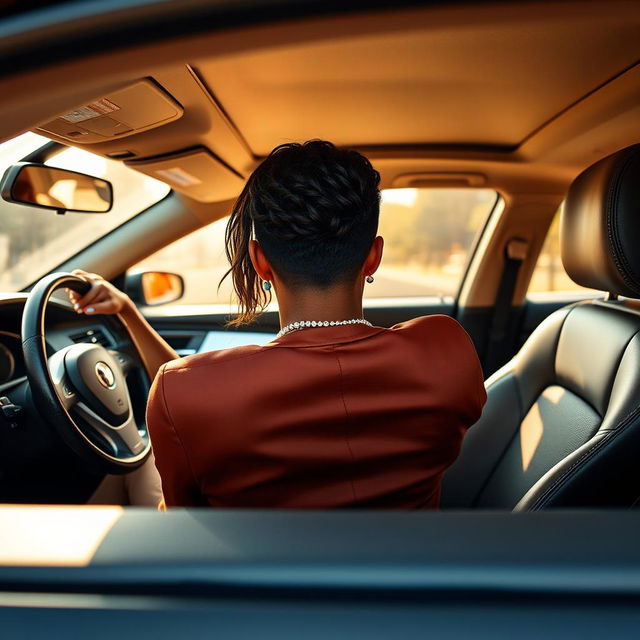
<point>60,380</point>
<point>125,361</point>
<point>126,434</point>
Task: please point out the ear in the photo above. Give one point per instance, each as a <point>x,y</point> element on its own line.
<point>259,261</point>
<point>372,261</point>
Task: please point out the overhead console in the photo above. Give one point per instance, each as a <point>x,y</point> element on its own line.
<point>199,152</point>
<point>196,172</point>
<point>138,107</point>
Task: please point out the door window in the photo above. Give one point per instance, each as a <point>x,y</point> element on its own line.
<point>549,276</point>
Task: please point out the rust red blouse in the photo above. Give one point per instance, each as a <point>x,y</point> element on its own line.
<point>347,416</point>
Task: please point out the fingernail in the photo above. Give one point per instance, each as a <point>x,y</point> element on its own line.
<point>89,309</point>
<point>76,306</point>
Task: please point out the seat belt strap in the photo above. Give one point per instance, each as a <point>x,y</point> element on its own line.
<point>514,254</point>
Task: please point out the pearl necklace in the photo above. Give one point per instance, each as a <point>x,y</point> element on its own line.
<point>305,324</point>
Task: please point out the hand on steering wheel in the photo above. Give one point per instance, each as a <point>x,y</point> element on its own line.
<point>102,297</point>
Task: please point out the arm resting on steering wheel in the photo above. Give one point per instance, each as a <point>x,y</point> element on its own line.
<point>104,298</point>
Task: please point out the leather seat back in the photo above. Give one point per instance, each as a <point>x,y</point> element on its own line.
<point>561,426</point>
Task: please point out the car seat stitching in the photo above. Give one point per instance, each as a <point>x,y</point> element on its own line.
<point>607,432</point>
<point>522,413</point>
<point>617,252</point>
<point>609,435</point>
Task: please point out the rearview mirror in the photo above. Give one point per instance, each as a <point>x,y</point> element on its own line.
<point>150,288</point>
<point>60,189</point>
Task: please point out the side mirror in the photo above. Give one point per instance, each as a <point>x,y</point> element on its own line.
<point>62,190</point>
<point>150,288</point>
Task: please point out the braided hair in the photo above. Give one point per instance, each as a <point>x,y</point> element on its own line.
<point>314,210</point>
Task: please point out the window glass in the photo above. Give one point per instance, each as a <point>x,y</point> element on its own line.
<point>428,235</point>
<point>34,241</point>
<point>549,275</point>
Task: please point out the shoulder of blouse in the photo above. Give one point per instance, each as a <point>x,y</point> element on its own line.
<point>432,323</point>
<point>444,328</point>
<point>422,327</point>
<point>212,358</point>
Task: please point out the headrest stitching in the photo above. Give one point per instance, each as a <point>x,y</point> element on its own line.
<point>622,264</point>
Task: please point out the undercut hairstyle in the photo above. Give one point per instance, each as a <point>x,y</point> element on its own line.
<point>314,210</point>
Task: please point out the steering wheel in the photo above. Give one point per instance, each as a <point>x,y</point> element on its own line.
<point>81,390</point>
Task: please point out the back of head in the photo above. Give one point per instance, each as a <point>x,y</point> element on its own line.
<point>314,210</point>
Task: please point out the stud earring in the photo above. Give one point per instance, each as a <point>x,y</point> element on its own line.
<point>266,285</point>
<point>369,278</point>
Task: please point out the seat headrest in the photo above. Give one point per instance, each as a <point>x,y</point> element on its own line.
<point>600,227</point>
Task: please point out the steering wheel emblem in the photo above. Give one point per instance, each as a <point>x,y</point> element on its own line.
<point>105,375</point>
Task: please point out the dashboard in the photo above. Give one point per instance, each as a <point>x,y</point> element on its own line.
<point>11,361</point>
<point>65,327</point>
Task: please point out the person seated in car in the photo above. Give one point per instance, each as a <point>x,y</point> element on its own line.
<point>334,412</point>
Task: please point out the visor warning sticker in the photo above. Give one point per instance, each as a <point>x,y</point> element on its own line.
<point>91,110</point>
<point>178,176</point>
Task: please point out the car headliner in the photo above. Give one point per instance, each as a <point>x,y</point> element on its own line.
<point>517,97</point>
<point>478,80</point>
<point>484,88</point>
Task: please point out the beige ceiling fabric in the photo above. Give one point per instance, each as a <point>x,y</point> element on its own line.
<point>483,84</point>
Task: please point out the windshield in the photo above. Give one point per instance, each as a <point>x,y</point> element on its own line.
<point>34,241</point>
<point>428,235</point>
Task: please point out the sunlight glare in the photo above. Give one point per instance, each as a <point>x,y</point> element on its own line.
<point>81,161</point>
<point>403,197</point>
<point>16,148</point>
<point>42,535</point>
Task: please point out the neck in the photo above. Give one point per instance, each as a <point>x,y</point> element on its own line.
<point>343,302</point>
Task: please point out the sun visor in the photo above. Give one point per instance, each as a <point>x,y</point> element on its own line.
<point>138,107</point>
<point>196,173</point>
